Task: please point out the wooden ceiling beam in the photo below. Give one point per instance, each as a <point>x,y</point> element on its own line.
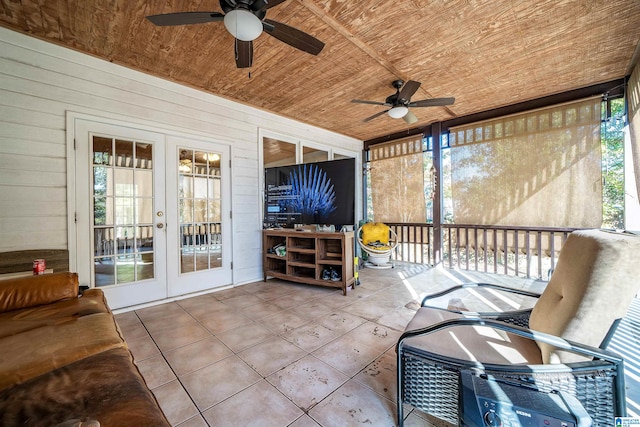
<point>338,27</point>
<point>364,47</point>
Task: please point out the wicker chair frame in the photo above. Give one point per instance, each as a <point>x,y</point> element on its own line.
<point>429,381</point>
<point>515,317</point>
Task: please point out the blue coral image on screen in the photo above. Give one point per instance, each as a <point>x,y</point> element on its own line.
<point>311,191</point>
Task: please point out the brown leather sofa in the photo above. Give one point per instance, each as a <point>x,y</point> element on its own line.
<point>63,360</point>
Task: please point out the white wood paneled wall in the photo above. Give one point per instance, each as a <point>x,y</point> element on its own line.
<point>40,82</point>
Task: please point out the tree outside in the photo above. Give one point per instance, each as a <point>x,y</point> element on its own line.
<point>612,137</point>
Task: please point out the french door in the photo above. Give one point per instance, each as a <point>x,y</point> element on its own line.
<point>151,213</point>
<point>199,239</point>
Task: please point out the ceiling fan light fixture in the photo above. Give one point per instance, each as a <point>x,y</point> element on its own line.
<point>212,157</point>
<point>243,24</point>
<point>398,112</point>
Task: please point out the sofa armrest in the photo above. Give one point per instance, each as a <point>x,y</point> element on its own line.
<point>31,291</point>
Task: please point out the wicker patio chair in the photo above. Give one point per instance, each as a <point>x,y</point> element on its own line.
<point>558,345</point>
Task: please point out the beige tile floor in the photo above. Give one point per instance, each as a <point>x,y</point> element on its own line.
<point>277,353</point>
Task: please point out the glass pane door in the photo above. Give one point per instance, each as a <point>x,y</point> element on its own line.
<point>120,227</point>
<point>123,229</point>
<point>199,198</point>
<point>198,215</point>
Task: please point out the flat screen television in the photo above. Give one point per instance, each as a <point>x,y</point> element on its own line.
<point>310,193</point>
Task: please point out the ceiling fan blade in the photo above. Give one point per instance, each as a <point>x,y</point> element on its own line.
<point>185,18</point>
<point>435,102</point>
<point>272,3</point>
<point>293,37</point>
<point>244,53</point>
<point>360,101</point>
<point>259,5</point>
<point>410,118</point>
<point>265,4</point>
<point>408,90</point>
<point>374,116</point>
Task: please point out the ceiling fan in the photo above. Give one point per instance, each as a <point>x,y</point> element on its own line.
<point>245,20</point>
<point>401,101</point>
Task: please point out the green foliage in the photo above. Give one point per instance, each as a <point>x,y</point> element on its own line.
<point>612,139</point>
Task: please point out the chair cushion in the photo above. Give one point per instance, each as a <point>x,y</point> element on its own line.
<point>482,344</point>
<point>594,283</point>
<point>375,232</point>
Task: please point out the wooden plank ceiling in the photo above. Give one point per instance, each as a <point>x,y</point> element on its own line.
<point>486,54</point>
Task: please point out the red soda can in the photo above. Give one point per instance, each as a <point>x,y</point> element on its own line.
<point>38,266</point>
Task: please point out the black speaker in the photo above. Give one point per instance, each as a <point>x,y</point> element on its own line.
<point>485,401</point>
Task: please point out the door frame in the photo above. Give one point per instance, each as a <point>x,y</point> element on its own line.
<point>143,125</point>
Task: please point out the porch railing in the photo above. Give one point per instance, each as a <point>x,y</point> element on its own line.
<point>530,252</point>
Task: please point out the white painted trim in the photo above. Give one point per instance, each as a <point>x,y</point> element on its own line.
<point>631,202</point>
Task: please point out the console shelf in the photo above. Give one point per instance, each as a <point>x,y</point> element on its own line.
<point>308,254</point>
